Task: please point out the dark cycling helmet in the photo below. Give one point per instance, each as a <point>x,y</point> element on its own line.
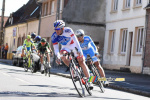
<point>38,38</point>
<point>43,40</point>
<point>33,35</point>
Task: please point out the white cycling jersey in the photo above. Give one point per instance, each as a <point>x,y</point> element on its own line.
<point>67,40</point>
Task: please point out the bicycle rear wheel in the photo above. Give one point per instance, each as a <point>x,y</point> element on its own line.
<point>32,69</point>
<point>99,83</point>
<point>45,70</point>
<point>76,79</point>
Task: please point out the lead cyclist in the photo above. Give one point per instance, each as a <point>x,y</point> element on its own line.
<point>65,36</point>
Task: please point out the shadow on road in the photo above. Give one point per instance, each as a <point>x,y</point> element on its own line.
<point>52,94</point>
<point>34,94</point>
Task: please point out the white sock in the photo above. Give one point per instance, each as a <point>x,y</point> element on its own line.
<point>42,67</point>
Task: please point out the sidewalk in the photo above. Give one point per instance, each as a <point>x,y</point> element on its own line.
<point>6,61</point>
<point>134,83</point>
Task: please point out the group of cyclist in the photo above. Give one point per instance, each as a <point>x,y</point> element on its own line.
<point>77,42</point>
<point>38,44</point>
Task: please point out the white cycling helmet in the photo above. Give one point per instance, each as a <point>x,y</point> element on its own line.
<point>58,24</point>
<point>79,32</point>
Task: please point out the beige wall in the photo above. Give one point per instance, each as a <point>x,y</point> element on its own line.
<point>33,26</point>
<point>47,28</point>
<point>8,38</point>
<point>22,29</point>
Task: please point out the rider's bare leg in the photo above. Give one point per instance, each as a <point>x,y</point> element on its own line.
<point>100,69</point>
<point>84,67</point>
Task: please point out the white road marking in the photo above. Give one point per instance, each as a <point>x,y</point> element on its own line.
<point>23,80</point>
<point>5,74</point>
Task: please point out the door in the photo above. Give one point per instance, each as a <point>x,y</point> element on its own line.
<point>129,49</point>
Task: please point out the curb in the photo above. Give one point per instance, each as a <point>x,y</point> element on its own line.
<point>142,93</point>
<point>6,62</point>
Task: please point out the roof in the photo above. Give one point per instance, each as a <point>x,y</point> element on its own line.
<point>29,11</point>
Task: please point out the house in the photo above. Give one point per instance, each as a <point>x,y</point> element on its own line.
<point>21,23</point>
<point>5,19</point>
<point>125,35</point>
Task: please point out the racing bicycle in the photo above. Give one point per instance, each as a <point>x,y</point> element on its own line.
<point>95,72</point>
<point>28,62</point>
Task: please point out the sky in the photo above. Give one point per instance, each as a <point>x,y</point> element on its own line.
<point>11,6</point>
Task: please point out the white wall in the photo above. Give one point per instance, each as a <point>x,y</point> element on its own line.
<point>123,19</point>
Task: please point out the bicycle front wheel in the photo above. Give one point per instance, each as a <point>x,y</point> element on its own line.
<point>76,79</point>
<point>49,71</point>
<point>25,65</point>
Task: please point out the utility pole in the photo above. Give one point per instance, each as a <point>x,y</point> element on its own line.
<point>39,2</point>
<point>1,31</point>
<point>58,10</point>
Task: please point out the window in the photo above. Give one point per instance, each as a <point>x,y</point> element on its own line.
<point>112,41</point>
<point>138,2</point>
<point>127,3</point>
<point>115,5</point>
<point>45,9</point>
<point>52,7</point>
<point>124,41</point>
<point>139,44</point>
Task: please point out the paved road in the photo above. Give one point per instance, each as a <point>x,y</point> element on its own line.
<point>15,84</point>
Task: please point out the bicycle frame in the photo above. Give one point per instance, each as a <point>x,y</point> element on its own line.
<point>28,60</point>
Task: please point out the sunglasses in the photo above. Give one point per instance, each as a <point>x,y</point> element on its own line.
<point>57,28</point>
<point>42,42</point>
<point>78,36</point>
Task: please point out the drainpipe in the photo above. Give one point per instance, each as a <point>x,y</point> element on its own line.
<point>40,5</point>
<point>144,44</point>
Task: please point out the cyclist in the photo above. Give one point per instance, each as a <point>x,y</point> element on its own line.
<point>43,47</point>
<point>33,35</point>
<point>88,47</point>
<point>37,40</point>
<point>27,45</point>
<point>65,36</point>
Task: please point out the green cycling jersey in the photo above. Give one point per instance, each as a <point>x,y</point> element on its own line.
<point>28,44</point>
